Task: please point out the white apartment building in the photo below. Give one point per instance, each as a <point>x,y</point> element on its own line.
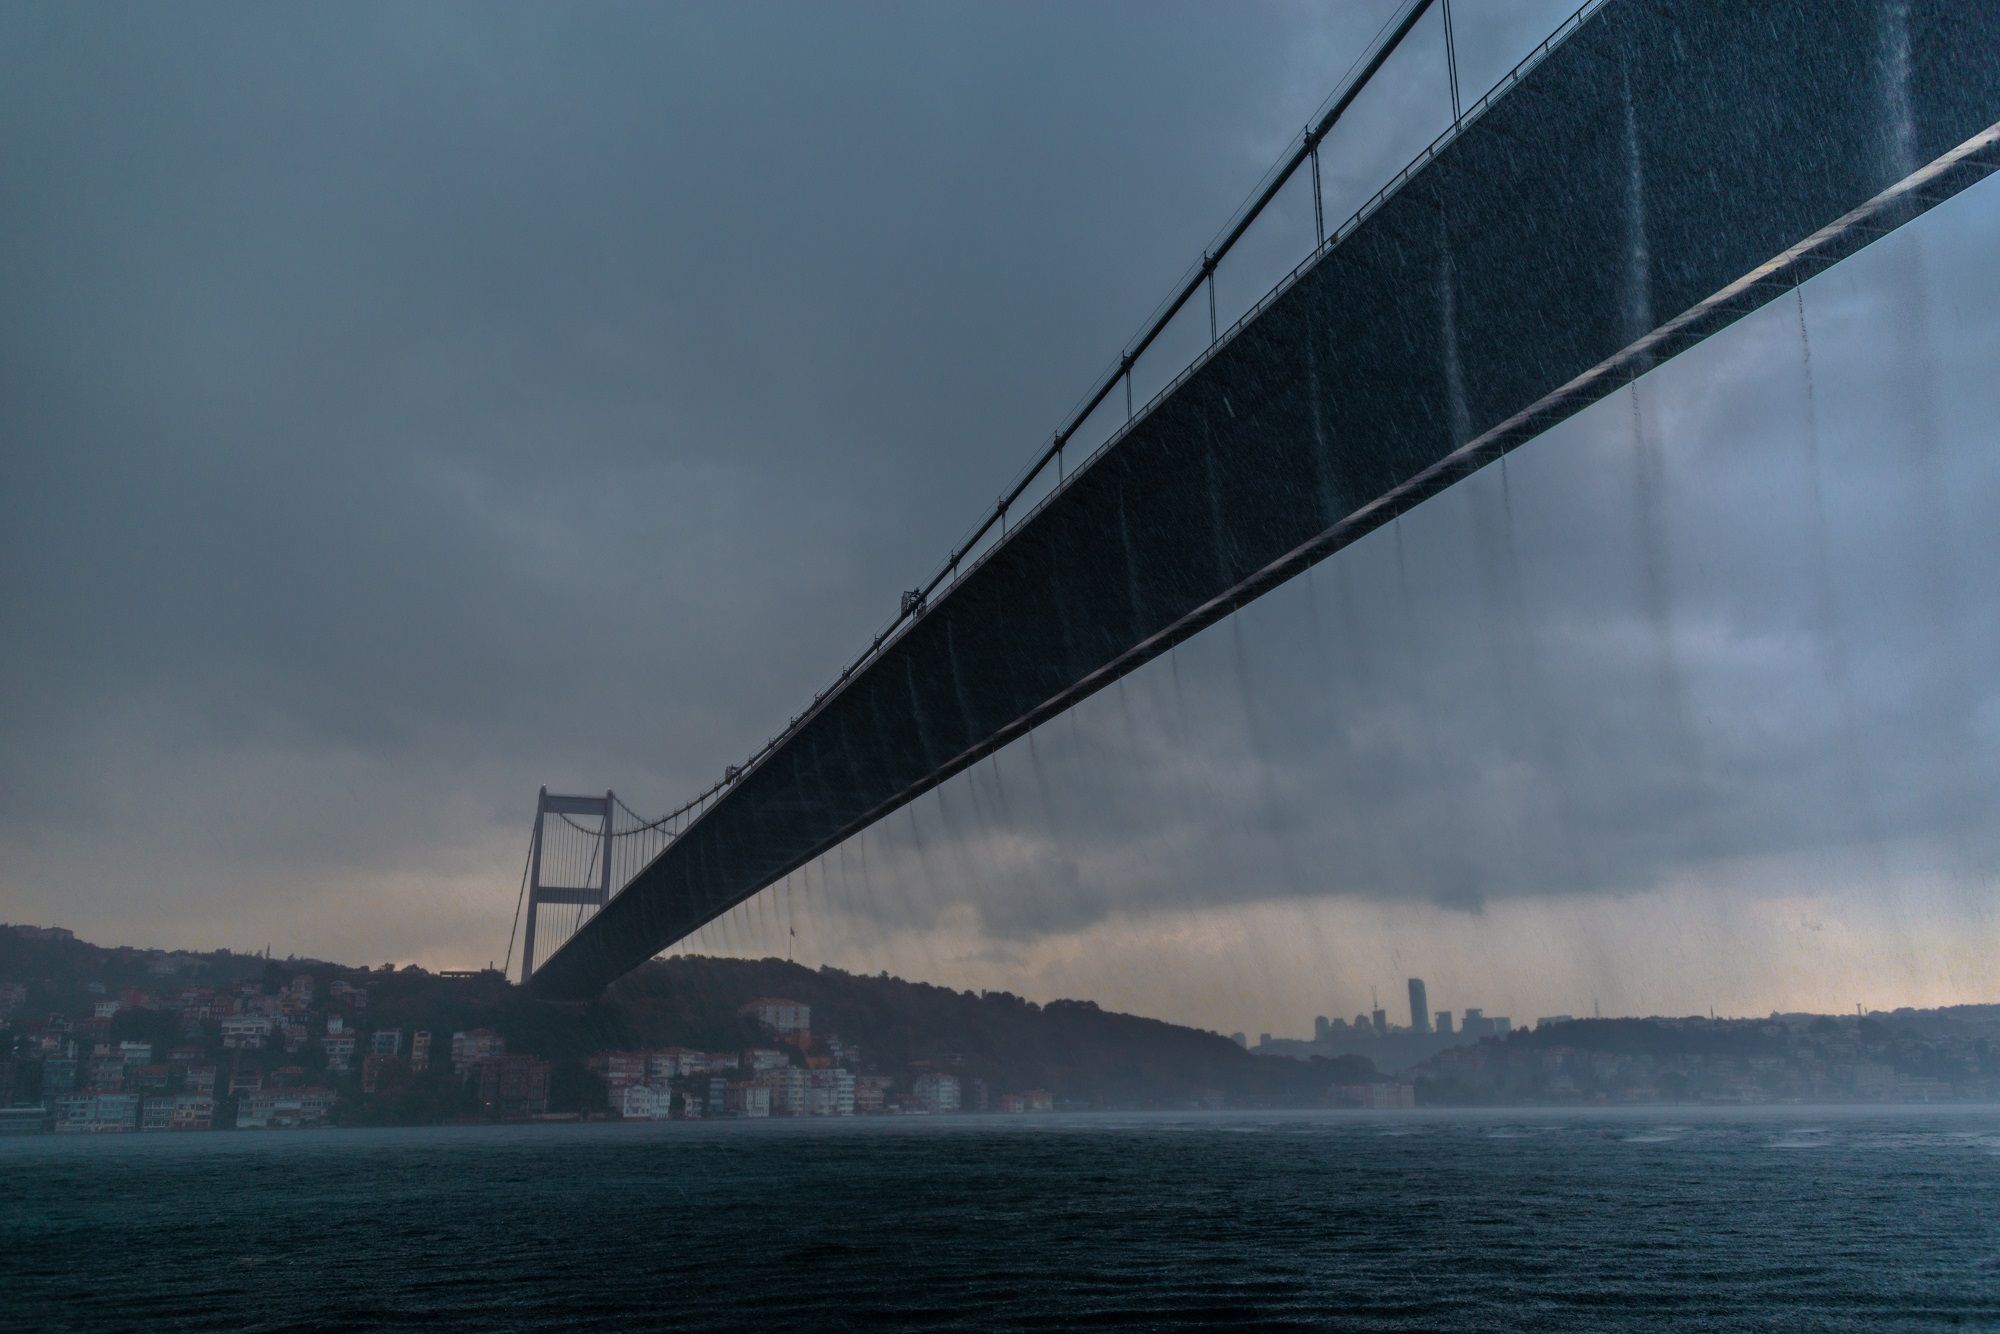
<point>246,1031</point>
<point>936,1093</point>
<point>781,1016</point>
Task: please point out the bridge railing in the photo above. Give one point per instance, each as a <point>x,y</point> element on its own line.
<point>966,556</point>
<point>1284,284</point>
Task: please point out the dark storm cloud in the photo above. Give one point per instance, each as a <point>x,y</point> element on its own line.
<point>404,407</point>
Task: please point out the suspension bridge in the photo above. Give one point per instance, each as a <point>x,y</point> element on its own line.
<point>1651,173</point>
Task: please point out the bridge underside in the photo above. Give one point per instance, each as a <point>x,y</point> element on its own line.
<point>1667,169</point>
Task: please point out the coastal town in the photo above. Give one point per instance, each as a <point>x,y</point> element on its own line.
<point>107,1041</point>
<point>295,1049</point>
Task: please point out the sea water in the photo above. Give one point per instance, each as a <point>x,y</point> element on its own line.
<point>1691,1218</point>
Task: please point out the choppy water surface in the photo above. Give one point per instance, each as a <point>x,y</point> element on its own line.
<point>1799,1219</point>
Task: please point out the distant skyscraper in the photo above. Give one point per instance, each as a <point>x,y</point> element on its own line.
<point>1444,1022</point>
<point>1380,1018</point>
<point>1263,1039</point>
<point>1420,1006</point>
<point>1239,1039</point>
<point>1320,1027</point>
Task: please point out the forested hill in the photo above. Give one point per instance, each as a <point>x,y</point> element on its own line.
<point>1079,1054</point>
<point>1073,1048</point>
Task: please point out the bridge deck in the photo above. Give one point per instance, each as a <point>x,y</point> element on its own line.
<point>1666,169</point>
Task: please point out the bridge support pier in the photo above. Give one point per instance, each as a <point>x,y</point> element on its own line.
<point>539,892</point>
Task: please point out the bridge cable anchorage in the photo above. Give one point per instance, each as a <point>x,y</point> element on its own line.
<point>1451,64</point>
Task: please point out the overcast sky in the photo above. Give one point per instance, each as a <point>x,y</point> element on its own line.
<point>402,407</point>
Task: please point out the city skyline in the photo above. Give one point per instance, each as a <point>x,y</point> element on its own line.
<point>115,1041</point>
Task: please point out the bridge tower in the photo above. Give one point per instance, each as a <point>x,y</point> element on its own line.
<point>595,895</point>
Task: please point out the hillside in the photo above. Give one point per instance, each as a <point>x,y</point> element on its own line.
<point>1081,1055</point>
<point>1078,1051</point>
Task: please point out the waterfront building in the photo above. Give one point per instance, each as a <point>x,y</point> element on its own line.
<point>513,1087</point>
<point>284,1109</point>
<point>1034,1100</point>
<point>642,1102</point>
<point>386,1042</point>
<point>420,1050</point>
<point>1378,1096</point>
<point>832,1093</point>
<point>748,1100</point>
<point>193,1111</point>
<point>28,1120</point>
<point>788,1089</point>
<point>936,1092</point>
<point>871,1092</point>
<point>97,1113</point>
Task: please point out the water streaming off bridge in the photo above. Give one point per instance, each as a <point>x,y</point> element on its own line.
<point>1688,701</point>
